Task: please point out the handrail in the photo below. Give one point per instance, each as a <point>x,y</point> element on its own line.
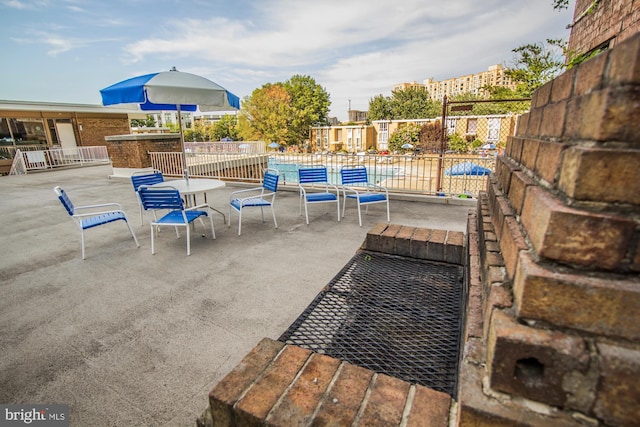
<point>415,174</point>
<point>25,161</point>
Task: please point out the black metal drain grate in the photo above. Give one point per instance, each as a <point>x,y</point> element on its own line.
<point>392,315</point>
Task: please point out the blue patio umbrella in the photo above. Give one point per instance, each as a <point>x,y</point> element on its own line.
<point>171,91</point>
<point>467,168</point>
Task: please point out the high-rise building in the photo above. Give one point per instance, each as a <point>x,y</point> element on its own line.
<point>471,83</point>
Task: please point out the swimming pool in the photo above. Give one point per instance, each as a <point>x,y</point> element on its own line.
<point>289,172</point>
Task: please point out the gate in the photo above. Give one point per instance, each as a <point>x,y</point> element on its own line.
<point>479,126</point>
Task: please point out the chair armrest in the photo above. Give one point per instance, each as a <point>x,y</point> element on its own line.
<point>193,208</point>
<point>82,215</point>
<point>244,191</point>
<point>101,205</point>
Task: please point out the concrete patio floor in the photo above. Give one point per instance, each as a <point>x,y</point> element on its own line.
<point>126,338</point>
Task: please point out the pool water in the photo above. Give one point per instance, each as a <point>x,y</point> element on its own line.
<point>289,172</point>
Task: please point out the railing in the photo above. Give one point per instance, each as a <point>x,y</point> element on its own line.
<point>400,173</point>
<point>58,157</point>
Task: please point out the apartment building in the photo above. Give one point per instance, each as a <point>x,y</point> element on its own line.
<point>471,83</point>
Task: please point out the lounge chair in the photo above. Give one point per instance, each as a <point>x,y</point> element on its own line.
<point>315,188</point>
<point>145,178</point>
<point>168,198</point>
<point>89,216</point>
<point>356,186</point>
<point>258,197</point>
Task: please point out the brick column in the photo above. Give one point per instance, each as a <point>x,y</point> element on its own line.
<point>557,273</point>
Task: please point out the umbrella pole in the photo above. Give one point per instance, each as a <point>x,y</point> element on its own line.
<point>184,154</point>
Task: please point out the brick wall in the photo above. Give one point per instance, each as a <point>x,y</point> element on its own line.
<point>553,333</point>
<point>133,151</point>
<point>602,21</point>
<point>94,129</point>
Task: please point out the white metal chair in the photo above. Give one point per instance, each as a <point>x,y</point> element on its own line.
<point>90,216</point>
<point>168,198</point>
<point>258,197</point>
<point>356,186</point>
<point>315,188</point>
<point>145,178</point>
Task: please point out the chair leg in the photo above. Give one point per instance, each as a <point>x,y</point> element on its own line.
<point>306,211</point>
<point>239,221</point>
<point>338,207</point>
<point>135,239</point>
<point>359,213</point>
<point>153,247</point>
<point>213,231</point>
<point>388,214</point>
<point>82,241</point>
<point>188,240</point>
<point>274,217</point>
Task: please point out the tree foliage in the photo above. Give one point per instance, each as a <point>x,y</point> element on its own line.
<point>430,137</point>
<point>149,122</point>
<point>284,112</point>
<point>411,103</point>
<point>534,65</point>
<point>268,111</point>
<point>408,134</point>
<point>380,108</point>
<point>226,127</point>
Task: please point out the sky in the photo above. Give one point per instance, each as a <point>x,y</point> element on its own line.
<point>67,50</point>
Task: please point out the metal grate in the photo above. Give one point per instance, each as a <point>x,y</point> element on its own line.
<point>392,315</point>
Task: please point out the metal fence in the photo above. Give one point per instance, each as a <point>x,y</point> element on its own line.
<point>460,176</point>
<point>58,157</point>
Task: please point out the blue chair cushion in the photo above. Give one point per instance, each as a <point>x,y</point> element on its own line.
<point>369,197</point>
<point>320,197</point>
<point>256,201</point>
<point>105,218</point>
<point>175,217</point>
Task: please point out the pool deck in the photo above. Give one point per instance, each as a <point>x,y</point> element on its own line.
<point>128,338</point>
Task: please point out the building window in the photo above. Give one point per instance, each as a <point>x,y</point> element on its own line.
<point>472,126</point>
<point>358,139</point>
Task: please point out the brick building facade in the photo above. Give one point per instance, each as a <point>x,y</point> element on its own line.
<point>602,24</point>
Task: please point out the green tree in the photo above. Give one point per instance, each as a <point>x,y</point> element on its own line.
<point>457,143</point>
<point>380,108</point>
<point>407,134</point>
<point>411,103</point>
<point>310,104</point>
<point>268,111</point>
<point>535,64</point>
<point>149,122</point>
<point>284,112</point>
<point>226,128</point>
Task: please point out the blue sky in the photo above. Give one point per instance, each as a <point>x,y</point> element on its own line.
<point>67,50</point>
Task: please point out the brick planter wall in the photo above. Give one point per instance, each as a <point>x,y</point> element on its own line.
<point>553,333</point>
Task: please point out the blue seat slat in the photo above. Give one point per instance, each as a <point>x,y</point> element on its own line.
<point>175,217</point>
<point>354,176</point>
<point>312,175</point>
<point>94,221</point>
<point>321,197</point>
<point>150,179</point>
<point>270,182</point>
<point>255,201</point>
<point>368,197</point>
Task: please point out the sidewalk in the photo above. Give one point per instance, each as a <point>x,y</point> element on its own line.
<point>128,338</point>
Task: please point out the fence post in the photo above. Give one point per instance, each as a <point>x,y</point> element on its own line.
<point>443,140</point>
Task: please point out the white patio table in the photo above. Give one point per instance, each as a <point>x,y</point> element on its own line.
<point>191,188</point>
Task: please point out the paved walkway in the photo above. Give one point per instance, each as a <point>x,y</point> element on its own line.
<point>126,338</point>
